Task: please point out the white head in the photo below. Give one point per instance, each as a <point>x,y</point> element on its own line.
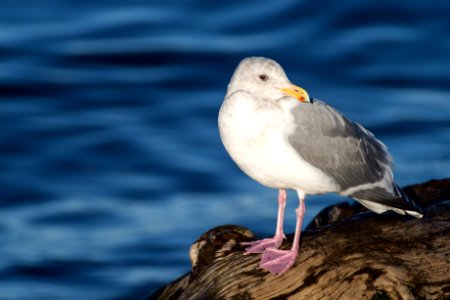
<point>266,78</point>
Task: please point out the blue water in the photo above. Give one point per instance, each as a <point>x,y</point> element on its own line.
<point>110,160</point>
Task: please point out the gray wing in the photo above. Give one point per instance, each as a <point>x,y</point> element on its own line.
<point>347,152</point>
<point>341,148</point>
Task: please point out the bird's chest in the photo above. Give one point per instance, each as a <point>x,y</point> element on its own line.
<point>255,139</point>
<point>248,129</point>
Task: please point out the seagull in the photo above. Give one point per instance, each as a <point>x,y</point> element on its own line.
<point>284,139</point>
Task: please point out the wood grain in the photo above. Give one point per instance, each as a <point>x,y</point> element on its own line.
<point>362,256</point>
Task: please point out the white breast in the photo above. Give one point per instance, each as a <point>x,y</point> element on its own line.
<point>254,132</point>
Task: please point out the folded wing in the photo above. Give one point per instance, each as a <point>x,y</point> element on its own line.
<point>350,154</point>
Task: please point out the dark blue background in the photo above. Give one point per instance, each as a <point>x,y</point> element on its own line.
<point>110,158</point>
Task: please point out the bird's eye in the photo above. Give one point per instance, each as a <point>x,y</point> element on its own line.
<point>263,77</point>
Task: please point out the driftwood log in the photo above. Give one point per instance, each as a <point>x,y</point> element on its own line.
<point>345,253</point>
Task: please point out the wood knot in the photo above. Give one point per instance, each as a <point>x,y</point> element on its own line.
<point>216,243</point>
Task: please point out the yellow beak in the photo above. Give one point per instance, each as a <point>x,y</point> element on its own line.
<point>297,93</point>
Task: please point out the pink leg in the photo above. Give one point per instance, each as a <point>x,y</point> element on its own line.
<point>279,261</point>
<point>274,242</point>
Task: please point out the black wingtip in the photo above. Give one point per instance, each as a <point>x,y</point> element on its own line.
<point>395,198</point>
<point>410,202</point>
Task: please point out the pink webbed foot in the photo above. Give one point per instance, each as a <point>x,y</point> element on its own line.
<point>261,245</point>
<point>277,261</point>
<point>274,242</point>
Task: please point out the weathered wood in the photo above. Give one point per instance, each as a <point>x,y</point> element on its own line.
<point>364,256</point>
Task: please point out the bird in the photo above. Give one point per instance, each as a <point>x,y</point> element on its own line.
<point>286,140</point>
